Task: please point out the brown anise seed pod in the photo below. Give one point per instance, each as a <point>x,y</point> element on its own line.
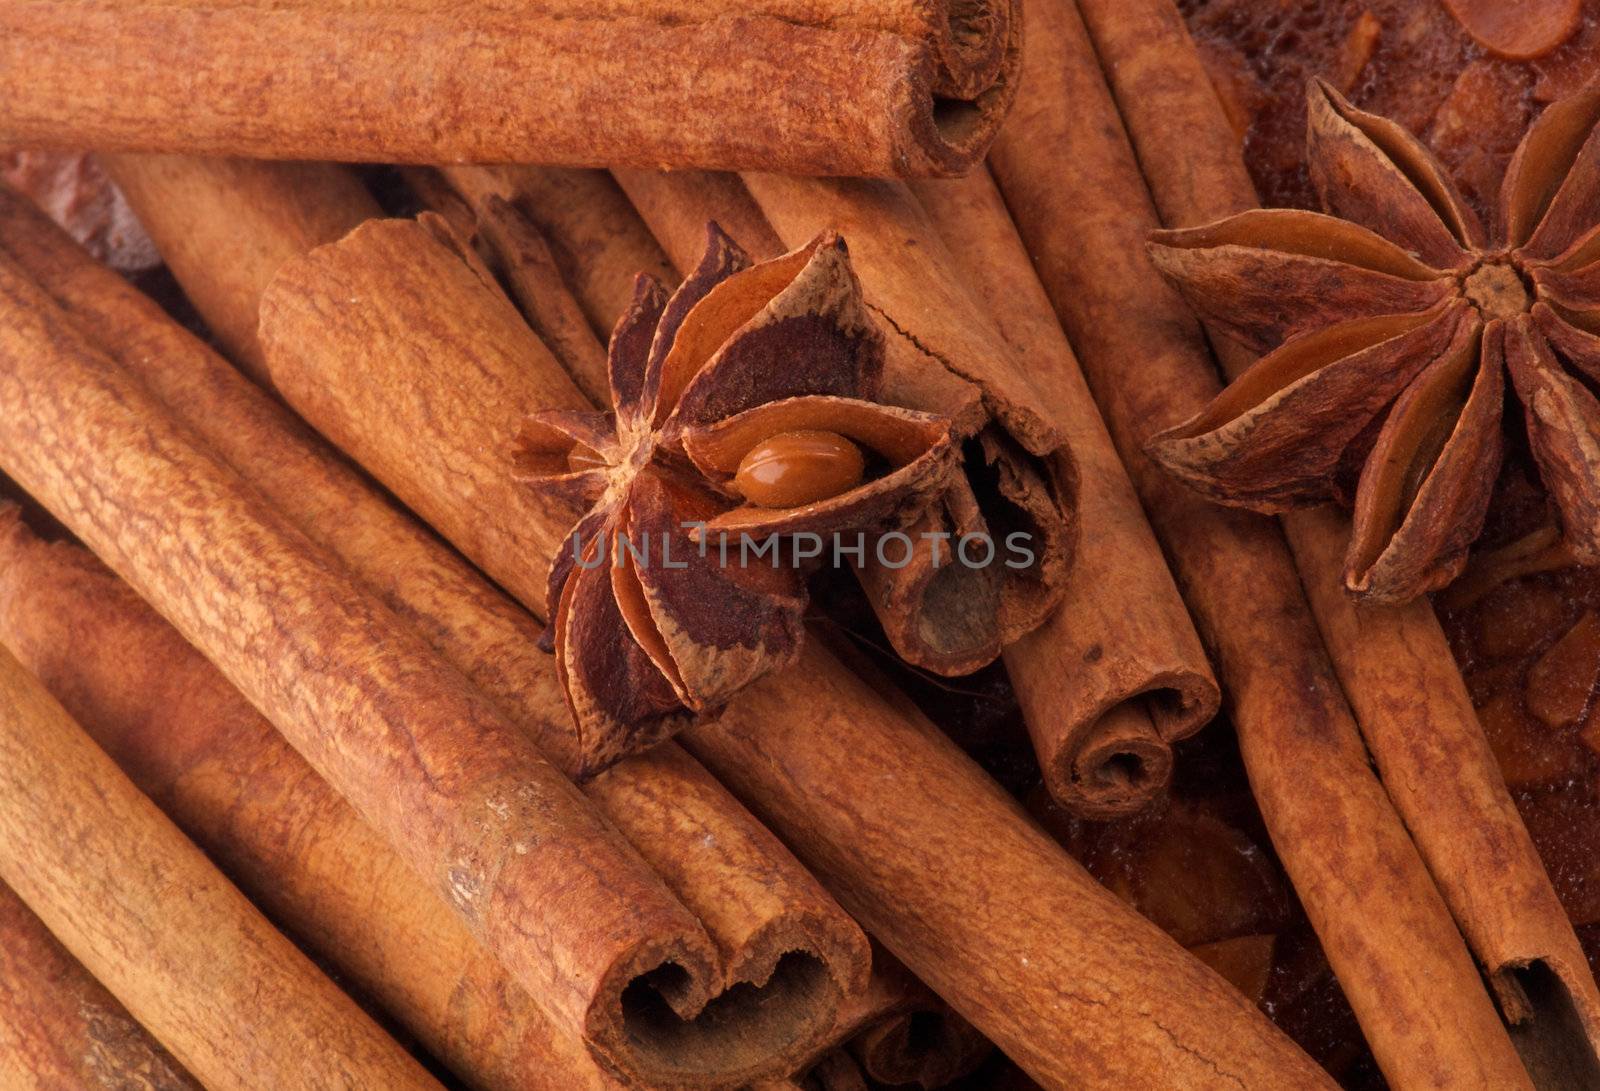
<point>1389,328</point>
<point>752,382</point>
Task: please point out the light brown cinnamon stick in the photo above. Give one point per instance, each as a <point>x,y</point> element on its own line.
<point>462,794</point>
<point>59,1027</point>
<point>597,246</point>
<point>144,911</point>
<point>242,264</point>
<point>1116,674</point>
<point>770,922</point>
<point>885,89</point>
<point>912,837</point>
<point>1395,664</point>
<point>1075,190</point>
<point>218,769</point>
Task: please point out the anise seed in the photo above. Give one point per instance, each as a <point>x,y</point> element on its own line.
<point>801,467</point>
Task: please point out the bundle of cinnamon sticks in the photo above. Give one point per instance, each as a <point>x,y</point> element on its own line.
<point>391,698</point>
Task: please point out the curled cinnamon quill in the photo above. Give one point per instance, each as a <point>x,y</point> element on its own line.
<point>733,399</point>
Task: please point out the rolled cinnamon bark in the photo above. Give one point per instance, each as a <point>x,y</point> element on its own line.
<point>911,836</point>
<point>149,916</point>
<point>1074,187</point>
<point>597,245</point>
<point>461,793</point>
<point>1394,662</point>
<point>177,200</point>
<point>771,924</point>
<point>1116,674</point>
<point>193,744</point>
<point>890,90</point>
<point>59,1027</point>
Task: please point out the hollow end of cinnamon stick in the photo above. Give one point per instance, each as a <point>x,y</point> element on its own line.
<point>656,1016</point>
<point>971,40</point>
<point>948,123</point>
<point>1546,1022</point>
<point>1114,766</point>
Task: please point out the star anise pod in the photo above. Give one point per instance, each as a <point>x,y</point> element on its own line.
<point>744,413</point>
<point>1389,325</point>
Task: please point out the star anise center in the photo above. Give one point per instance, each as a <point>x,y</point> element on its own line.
<point>1497,289</point>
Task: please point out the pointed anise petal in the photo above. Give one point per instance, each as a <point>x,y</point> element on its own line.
<point>1277,437</point>
<point>628,353</point>
<point>1269,275</point>
<point>1373,172</point>
<point>1425,489</point>
<point>815,336</point>
<point>563,457</point>
<point>722,259</point>
<point>1518,31</point>
<point>1564,431</point>
<point>1575,292</point>
<point>938,613</point>
<point>1576,342</point>
<point>620,701</point>
<point>1552,158</point>
<point>709,323</point>
<point>1031,497</point>
<point>723,626</point>
<point>590,528</point>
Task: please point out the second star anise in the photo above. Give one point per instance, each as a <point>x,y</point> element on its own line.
<point>1389,327</point>
<point>744,414</point>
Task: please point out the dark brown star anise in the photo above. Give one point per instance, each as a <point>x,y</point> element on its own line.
<point>744,414</point>
<point>1389,326</point>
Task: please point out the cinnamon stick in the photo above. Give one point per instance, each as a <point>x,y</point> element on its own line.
<point>1116,674</point>
<point>770,922</point>
<point>1394,662</point>
<point>218,769</point>
<point>460,792</point>
<point>895,89</point>
<point>1075,190</point>
<point>916,842</point>
<point>243,266</point>
<point>236,1003</point>
<point>597,246</point>
<point>59,1027</point>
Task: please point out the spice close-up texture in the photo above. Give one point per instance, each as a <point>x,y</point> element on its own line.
<point>802,546</point>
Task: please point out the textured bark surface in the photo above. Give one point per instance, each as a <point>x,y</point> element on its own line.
<point>942,867</point>
<point>1073,185</point>
<point>597,245</point>
<point>858,89</point>
<point>233,1000</point>
<point>910,834</point>
<point>460,792</point>
<point>185,211</point>
<point>1413,707</point>
<point>60,1028</point>
<point>756,902</point>
<point>217,768</point>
